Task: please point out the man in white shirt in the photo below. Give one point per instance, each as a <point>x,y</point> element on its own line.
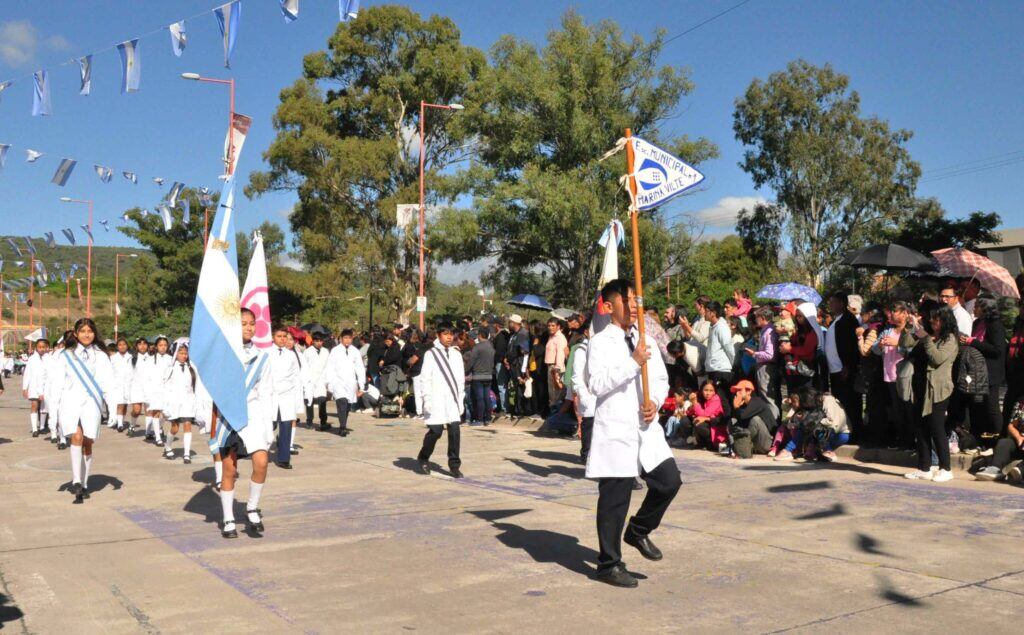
<point>964,320</point>
<point>287,374</point>
<point>345,377</point>
<point>444,383</point>
<point>627,438</point>
<point>316,368</point>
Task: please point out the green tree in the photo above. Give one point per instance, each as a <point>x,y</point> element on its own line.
<point>841,178</point>
<point>760,229</point>
<point>542,120</point>
<point>347,144</point>
<point>926,228</point>
<point>718,267</point>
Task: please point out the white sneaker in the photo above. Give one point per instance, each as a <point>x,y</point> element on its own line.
<point>918,475</point>
<point>942,476</point>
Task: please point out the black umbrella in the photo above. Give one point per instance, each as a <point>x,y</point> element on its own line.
<point>315,327</point>
<point>890,257</point>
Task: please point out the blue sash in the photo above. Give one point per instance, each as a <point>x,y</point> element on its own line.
<point>85,378</point>
<point>251,378</point>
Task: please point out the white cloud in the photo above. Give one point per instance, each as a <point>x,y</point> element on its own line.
<point>723,213</point>
<point>19,42</point>
<point>289,261</point>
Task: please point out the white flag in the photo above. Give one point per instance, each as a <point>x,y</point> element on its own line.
<point>405,214</point>
<point>117,309</point>
<point>32,155</point>
<point>178,37</point>
<point>239,130</point>
<point>255,296</point>
<point>85,68</point>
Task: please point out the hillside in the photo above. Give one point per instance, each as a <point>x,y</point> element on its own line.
<point>102,257</point>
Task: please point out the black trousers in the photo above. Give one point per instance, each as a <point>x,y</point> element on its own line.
<point>1005,452</point>
<point>932,435</point>
<point>321,403</point>
<point>343,406</point>
<point>284,439</point>
<point>613,504</point>
<point>851,401</point>
<point>586,433</point>
<point>430,440</point>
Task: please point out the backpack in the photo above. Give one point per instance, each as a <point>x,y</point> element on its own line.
<point>972,373</point>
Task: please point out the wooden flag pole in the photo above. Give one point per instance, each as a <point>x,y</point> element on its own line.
<point>638,281</point>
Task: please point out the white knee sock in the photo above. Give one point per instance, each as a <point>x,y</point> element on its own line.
<point>168,441</point>
<point>44,418</point>
<point>218,470</point>
<point>53,431</point>
<point>255,490</point>
<point>149,424</point>
<point>87,459</point>
<point>158,428</point>
<point>187,443</point>
<point>227,505</point>
<point>295,429</point>
<point>34,419</point>
<point>76,464</point>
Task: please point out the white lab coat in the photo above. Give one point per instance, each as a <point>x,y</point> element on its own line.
<point>287,397</point>
<point>123,372</point>
<point>440,407</point>
<point>588,402</point>
<point>34,377</point>
<point>345,372</point>
<point>316,370</point>
<point>622,442</point>
<point>139,390</point>
<point>156,370</point>
<point>179,393</point>
<point>72,400</point>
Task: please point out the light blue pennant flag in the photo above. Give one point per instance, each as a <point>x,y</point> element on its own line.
<point>41,94</point>
<point>159,180</point>
<point>104,173</point>
<point>178,37</point>
<point>15,247</point>
<point>70,235</point>
<point>106,225</point>
<point>60,177</point>
<point>85,70</point>
<point>172,196</point>
<point>185,210</point>
<point>4,147</point>
<point>131,177</point>
<point>290,9</point>
<point>228,16</point>
<point>31,156</point>
<point>4,86</point>
<point>130,65</point>
<point>28,245</point>
<point>88,231</point>
<point>165,214</point>
<point>50,242</point>
<point>348,10</point>
<point>19,263</point>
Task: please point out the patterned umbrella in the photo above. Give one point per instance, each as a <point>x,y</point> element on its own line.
<point>965,263</point>
<point>790,291</point>
<point>653,328</point>
<point>530,301</point>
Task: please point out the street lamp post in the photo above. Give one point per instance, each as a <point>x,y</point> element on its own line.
<point>423,157</point>
<point>67,320</point>
<point>88,266</point>
<point>230,83</point>
<point>117,286</point>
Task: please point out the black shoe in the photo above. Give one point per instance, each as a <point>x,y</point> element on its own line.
<point>254,526</point>
<point>120,428</point>
<point>456,473</point>
<point>61,445</point>
<point>294,452</point>
<point>53,440</point>
<point>229,530</point>
<point>643,544</point>
<point>324,427</point>
<point>343,432</point>
<point>637,484</point>
<point>150,436</point>
<point>618,576</point>
<point>169,456</point>
<point>186,461</point>
<point>424,467</point>
<point>35,433</point>
<point>159,443</point>
<point>85,492</point>
<point>283,465</point>
<point>75,489</point>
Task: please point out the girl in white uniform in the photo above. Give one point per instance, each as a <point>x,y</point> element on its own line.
<point>122,363</point>
<point>137,392</point>
<point>33,383</point>
<point>85,378</point>
<point>179,392</point>
<point>159,364</point>
<point>57,433</point>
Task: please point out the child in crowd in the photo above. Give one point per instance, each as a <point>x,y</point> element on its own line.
<point>705,425</point>
<point>676,405</point>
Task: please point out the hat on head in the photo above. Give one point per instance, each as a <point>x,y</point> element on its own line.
<point>515,318</point>
<point>741,385</point>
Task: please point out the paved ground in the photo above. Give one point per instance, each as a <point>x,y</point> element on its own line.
<point>356,542</point>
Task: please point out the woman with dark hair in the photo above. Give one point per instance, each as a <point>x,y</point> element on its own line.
<point>988,336</point>
<point>122,361</point>
<point>157,367</point>
<point>538,369</point>
<point>84,380</point>
<point>138,393</point>
<point>180,403</point>
<point>800,354</point>
<point>870,380</point>
<point>940,350</point>
<point>1014,368</point>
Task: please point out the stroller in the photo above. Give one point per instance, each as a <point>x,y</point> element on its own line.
<point>393,387</point>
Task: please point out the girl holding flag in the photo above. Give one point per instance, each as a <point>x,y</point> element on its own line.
<point>83,379</point>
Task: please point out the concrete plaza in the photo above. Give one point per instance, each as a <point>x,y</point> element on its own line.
<point>357,542</point>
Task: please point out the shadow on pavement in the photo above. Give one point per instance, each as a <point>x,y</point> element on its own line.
<point>97,483</point>
<point>540,544</point>
<point>545,472</point>
<point>799,487</point>
<point>206,503</point>
<point>8,611</point>
<point>548,455</point>
<point>411,464</point>
<point>836,510</point>
<point>4,440</point>
<point>868,544</point>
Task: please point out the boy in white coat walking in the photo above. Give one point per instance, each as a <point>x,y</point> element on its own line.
<point>316,367</point>
<point>443,383</point>
<point>627,439</point>
<point>345,378</point>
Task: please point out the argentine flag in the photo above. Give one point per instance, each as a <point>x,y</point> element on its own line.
<point>227,19</point>
<point>132,71</point>
<point>216,333</point>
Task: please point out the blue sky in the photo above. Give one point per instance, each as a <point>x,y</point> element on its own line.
<point>949,71</point>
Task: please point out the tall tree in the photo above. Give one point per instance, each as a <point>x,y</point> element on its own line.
<point>347,143</point>
<point>840,178</point>
<point>926,228</point>
<point>545,117</point>
<point>760,229</point>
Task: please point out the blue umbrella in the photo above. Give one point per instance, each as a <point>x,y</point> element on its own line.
<point>530,301</point>
<point>790,291</point>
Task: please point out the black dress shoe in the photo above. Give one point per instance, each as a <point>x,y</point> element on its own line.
<point>257,526</point>
<point>637,484</point>
<point>53,440</point>
<point>283,465</point>
<point>75,489</point>
<point>85,492</point>
<point>343,432</point>
<point>229,530</point>
<point>35,434</point>
<point>456,473</point>
<point>618,576</point>
<point>424,467</point>
<point>324,427</point>
<point>61,445</point>
<point>643,544</point>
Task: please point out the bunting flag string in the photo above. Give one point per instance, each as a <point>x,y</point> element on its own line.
<point>348,10</point>
<point>129,52</point>
<point>290,9</point>
<point>4,147</point>
<point>228,16</point>
<point>86,74</point>
<point>178,38</point>
<point>41,94</point>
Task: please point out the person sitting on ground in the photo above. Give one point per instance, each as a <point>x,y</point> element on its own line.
<point>705,423</point>
<point>789,435</point>
<point>1008,449</point>
<point>673,409</point>
<point>753,423</point>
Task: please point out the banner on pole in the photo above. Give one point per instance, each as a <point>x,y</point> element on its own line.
<point>239,129</point>
<point>406,213</point>
<point>660,176</point>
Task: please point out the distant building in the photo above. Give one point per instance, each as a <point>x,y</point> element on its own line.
<point>1009,252</point>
